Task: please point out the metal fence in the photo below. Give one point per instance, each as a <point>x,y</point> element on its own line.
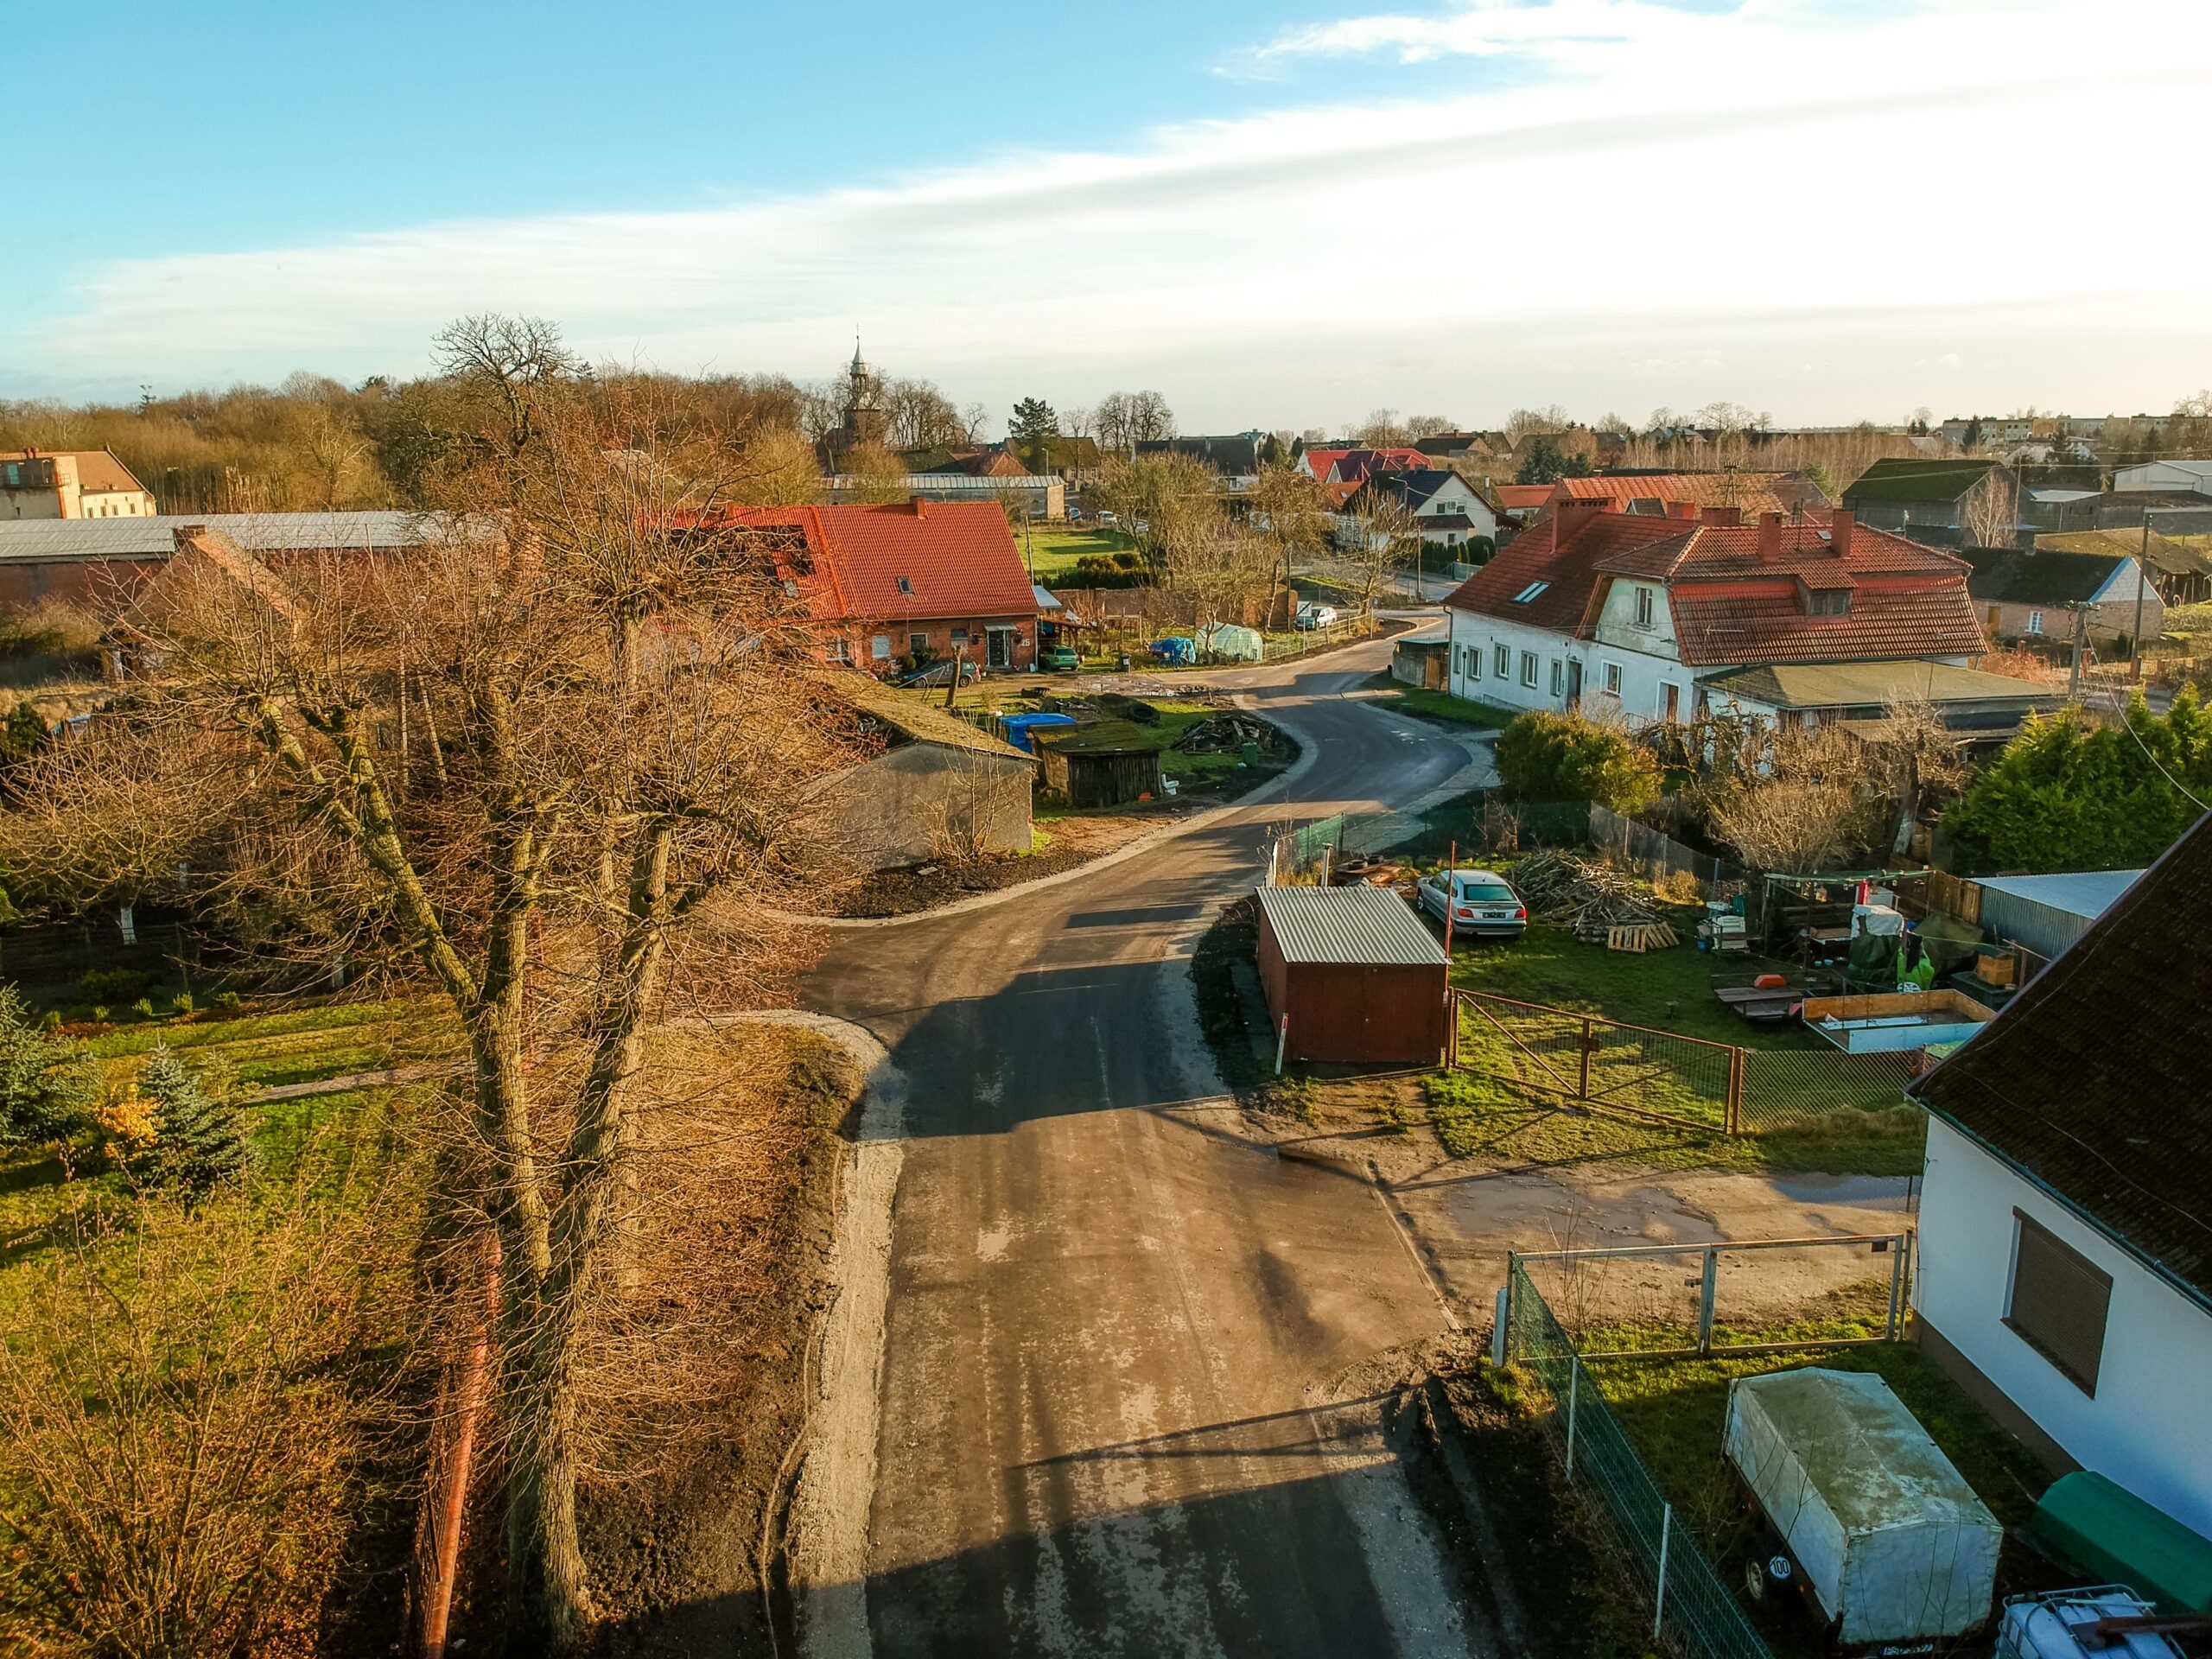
<point>1664,1077</point>
<point>1692,1612</point>
<point>1655,854</point>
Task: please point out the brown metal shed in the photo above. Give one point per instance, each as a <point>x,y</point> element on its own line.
<point>1355,973</point>
<point>1102,763</point>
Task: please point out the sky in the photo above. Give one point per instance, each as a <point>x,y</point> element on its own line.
<point>1278,214</point>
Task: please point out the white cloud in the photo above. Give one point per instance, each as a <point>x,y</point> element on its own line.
<point>1717,195</point>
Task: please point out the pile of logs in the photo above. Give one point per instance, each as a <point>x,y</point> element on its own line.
<point>1602,905</point>
<point>1225,733</point>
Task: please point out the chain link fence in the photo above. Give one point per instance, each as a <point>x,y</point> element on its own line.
<point>1655,1077</point>
<point>1785,1090</point>
<point>1692,1614</point>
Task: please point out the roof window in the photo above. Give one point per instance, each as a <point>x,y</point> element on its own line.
<point>905,587</point>
<point>1530,591</point>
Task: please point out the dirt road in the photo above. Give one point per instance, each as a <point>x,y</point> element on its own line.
<point>1111,1409</point>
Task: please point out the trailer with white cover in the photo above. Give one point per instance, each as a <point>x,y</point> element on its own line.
<point>1888,1540</point>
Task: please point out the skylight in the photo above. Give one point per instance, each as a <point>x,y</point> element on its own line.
<point>1530,592</point>
<point>905,587</point>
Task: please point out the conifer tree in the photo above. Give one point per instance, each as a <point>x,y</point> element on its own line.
<point>48,1082</point>
<point>199,1139</point>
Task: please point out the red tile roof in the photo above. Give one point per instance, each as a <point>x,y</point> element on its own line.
<point>1754,492</point>
<point>1519,498</point>
<point>957,559</point>
<point>1730,603</point>
<point>1355,465</point>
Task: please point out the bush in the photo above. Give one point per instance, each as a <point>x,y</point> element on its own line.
<point>181,1002</point>
<point>48,1084</point>
<point>1477,550</point>
<point>1543,756</point>
<point>114,985</point>
<point>143,1008</point>
<point>228,1001</point>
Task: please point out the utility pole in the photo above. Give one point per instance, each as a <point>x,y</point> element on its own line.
<point>2080,627</point>
<point>2142,581</point>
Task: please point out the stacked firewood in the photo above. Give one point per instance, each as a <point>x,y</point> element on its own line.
<point>1601,904</point>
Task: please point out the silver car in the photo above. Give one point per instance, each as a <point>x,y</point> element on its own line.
<point>1477,901</point>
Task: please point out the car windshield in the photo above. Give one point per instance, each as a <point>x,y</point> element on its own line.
<point>1486,892</point>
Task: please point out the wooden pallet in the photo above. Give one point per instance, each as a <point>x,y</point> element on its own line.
<point>1640,937</point>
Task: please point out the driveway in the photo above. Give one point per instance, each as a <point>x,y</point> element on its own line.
<point>1120,1409</point>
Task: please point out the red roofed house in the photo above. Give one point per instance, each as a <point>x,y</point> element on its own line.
<point>1636,611</point>
<point>922,578</point>
<point>1751,494</point>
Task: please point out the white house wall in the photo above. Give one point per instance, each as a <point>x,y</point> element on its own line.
<point>2145,1427</point>
<point>1643,676</point>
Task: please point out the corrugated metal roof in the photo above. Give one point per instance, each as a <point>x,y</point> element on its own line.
<point>2087,894</point>
<point>47,539</point>
<point>1825,685</point>
<point>1366,926</point>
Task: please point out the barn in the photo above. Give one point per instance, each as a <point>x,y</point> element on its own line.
<point>1356,973</point>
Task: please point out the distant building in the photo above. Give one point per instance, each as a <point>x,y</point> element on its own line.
<point>2183,575</point>
<point>2065,1224</point>
<point>861,425</point>
<point>1659,493</point>
<point>2038,593</point>
<point>1353,464</point>
<point>1236,456</point>
<point>1447,510</point>
<point>2192,477</point>
<point>70,484</point>
<point>1974,705</point>
<point>1912,496</point>
<point>93,559</point>
<point>1039,495</point>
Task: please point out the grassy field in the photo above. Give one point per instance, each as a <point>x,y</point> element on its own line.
<point>1504,1100</point>
<point>1674,1412</point>
<point>1053,553</point>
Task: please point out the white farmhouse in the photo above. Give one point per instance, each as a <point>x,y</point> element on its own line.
<point>1632,613</point>
<point>1447,510</point>
<point>2066,1222</point>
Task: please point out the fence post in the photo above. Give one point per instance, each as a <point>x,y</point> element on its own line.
<point>1708,1287</point>
<point>1282,1043</point>
<point>1450,1029</point>
<point>1666,1536</point>
<point>1898,1247</point>
<point>1733,1118</point>
<point>1500,1339</point>
<point>1583,1092</point>
<point>1573,1394</point>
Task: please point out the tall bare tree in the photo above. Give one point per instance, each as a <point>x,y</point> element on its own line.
<point>1991,514</point>
<point>548,758</point>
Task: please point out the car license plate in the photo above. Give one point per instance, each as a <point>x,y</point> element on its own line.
<point>1498,915</point>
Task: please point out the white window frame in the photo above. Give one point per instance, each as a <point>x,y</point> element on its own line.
<point>2035,623</point>
<point>1474,662</point>
<point>1612,679</point>
<point>1529,661</point>
<point>1559,678</point>
<point>878,648</point>
<point>1644,608</point>
<point>1503,661</point>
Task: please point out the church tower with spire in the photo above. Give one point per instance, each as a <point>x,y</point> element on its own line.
<point>863,421</point>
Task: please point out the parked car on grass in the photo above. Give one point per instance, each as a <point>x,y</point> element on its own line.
<point>1478,901</point>
<point>1313,614</point>
<point>1061,660</point>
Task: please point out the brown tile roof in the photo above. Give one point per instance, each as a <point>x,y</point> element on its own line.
<point>1719,628</point>
<point>1754,493</point>
<point>98,470</point>
<point>1570,571</point>
<point>1519,498</point>
<point>2096,1082</point>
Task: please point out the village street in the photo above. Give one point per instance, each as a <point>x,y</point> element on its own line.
<point>1121,1410</point>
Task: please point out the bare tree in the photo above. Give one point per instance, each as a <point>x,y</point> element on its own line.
<point>610,766</point>
<point>1991,514</point>
<point>1382,537</point>
<point>1523,422</point>
<point>1428,426</point>
<point>1382,428</point>
<point>1287,505</point>
<point>1793,800</point>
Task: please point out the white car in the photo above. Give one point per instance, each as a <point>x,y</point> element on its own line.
<point>1478,901</point>
<point>1313,614</point>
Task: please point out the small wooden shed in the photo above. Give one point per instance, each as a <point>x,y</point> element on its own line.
<point>1355,972</point>
<point>1102,763</point>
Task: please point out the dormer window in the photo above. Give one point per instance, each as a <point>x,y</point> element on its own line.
<point>1530,592</point>
<point>1827,601</point>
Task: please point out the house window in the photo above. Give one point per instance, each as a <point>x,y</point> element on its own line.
<point>1503,662</point>
<point>917,645</point>
<point>1559,678</point>
<point>880,647</point>
<point>1827,601</point>
<point>1643,608</point>
<point>905,587</point>
<point>840,652</point>
<point>959,638</point>
<point>2035,622</point>
<point>1474,663</point>
<point>1612,679</point>
<point>2058,1303</point>
<point>1529,669</point>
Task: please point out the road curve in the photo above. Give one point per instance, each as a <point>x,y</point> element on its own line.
<point>1110,1418</point>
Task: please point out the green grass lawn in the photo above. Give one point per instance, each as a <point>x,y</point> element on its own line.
<point>1674,1412</point>
<point>1053,553</point>
<point>1504,1101</point>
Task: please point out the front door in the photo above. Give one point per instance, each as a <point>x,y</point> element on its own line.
<point>1673,702</point>
<point>998,647</point>
<point>1573,682</point>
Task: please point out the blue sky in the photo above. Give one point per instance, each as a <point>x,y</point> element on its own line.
<point>1275,212</point>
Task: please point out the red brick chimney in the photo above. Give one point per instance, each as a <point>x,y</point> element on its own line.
<point>1840,527</point>
<point>1725,516</point>
<point>1770,536</point>
<point>1570,515</point>
<point>921,504</point>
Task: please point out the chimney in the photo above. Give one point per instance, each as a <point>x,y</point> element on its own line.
<point>1727,517</point>
<point>1570,515</point>
<point>1682,509</point>
<point>921,504</point>
<point>1840,526</point>
<point>1770,536</point>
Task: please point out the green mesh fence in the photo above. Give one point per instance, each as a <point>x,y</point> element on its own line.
<point>1695,1614</point>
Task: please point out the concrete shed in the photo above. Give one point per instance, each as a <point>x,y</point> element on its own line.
<point>1355,972</point>
<point>2048,912</point>
<point>938,788</point>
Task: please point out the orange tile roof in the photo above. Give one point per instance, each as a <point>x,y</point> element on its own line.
<point>1519,498</point>
<point>1719,628</point>
<point>1753,492</point>
<point>957,559</point>
<point>1570,571</point>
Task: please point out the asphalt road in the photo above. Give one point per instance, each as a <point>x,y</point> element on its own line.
<point>1119,1409</point>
